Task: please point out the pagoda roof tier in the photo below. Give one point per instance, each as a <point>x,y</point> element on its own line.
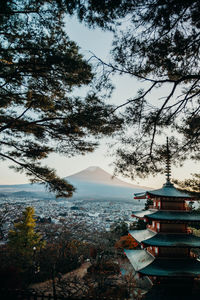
<point>181,216</point>
<point>173,240</point>
<point>172,268</point>
<point>142,213</point>
<point>141,235</point>
<point>168,190</point>
<point>139,258</point>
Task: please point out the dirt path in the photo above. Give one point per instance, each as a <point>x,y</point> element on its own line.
<point>46,286</point>
<point>80,272</point>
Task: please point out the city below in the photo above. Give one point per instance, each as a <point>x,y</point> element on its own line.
<point>92,209</point>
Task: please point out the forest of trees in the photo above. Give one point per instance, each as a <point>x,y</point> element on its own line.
<point>39,252</point>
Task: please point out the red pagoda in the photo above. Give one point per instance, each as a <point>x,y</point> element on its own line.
<point>166,243</point>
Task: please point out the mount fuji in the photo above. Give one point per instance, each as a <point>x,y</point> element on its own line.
<point>92,183</point>
<point>97,175</point>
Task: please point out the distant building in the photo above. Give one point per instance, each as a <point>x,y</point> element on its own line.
<point>74,208</point>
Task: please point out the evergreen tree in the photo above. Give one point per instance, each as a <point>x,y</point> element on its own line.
<point>159,45</point>
<point>40,67</point>
<point>119,229</point>
<point>141,224</point>
<point>190,185</point>
<point>23,239</point>
<point>148,203</point>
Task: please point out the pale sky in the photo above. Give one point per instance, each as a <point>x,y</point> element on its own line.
<point>98,42</point>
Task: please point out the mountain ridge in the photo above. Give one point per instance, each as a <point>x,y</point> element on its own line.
<point>98,175</point>
<point>91,184</point>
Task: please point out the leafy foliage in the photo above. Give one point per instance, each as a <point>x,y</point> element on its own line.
<point>156,42</point>
<point>23,237</point>
<point>160,47</point>
<point>191,185</point>
<point>119,228</point>
<point>23,242</point>
<point>141,224</point>
<point>65,251</point>
<point>126,242</point>
<point>60,257</point>
<point>40,67</point>
<point>148,203</point>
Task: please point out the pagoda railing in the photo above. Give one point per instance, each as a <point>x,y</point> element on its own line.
<point>186,208</point>
<point>188,230</point>
<point>150,227</point>
<point>151,207</point>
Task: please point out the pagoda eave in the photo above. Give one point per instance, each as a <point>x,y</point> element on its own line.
<point>141,214</point>
<point>178,198</point>
<point>174,216</point>
<point>169,191</point>
<point>172,268</point>
<point>141,235</point>
<point>139,258</point>
<point>173,240</point>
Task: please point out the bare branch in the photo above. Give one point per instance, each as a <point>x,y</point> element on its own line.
<point>138,98</point>
<point>158,115</point>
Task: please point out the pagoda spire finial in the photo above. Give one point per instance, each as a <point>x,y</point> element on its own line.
<point>168,163</point>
